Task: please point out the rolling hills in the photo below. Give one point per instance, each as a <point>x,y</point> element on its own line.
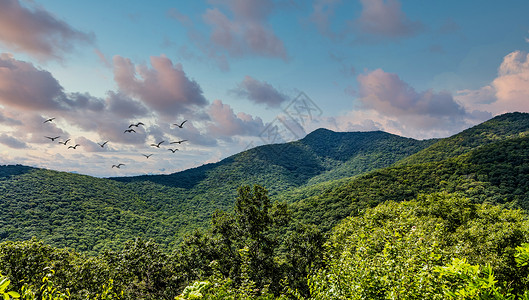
<point>91,214</point>
<point>326,177</point>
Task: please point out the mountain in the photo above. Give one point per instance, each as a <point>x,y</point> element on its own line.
<point>487,163</point>
<point>326,177</point>
<point>91,214</point>
<point>502,127</point>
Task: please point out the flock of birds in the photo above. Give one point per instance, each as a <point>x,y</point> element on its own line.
<point>129,130</point>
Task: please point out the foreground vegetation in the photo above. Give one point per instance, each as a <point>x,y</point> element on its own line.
<point>437,246</point>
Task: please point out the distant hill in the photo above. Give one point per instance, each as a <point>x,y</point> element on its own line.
<point>502,127</point>
<point>326,176</point>
<point>322,155</point>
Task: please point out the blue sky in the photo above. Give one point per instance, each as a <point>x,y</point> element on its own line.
<point>238,70</point>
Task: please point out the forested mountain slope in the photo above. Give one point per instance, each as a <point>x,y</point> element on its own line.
<point>502,127</point>
<point>91,214</point>
<point>322,155</point>
<point>326,176</point>
<point>496,173</point>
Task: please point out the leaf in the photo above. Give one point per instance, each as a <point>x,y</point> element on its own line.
<point>13,294</point>
<point>4,283</point>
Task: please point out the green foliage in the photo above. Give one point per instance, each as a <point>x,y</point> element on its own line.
<point>464,281</point>
<point>395,250</point>
<point>4,284</point>
<point>522,255</point>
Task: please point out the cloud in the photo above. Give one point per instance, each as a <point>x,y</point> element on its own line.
<point>88,145</point>
<point>102,58</point>
<point>235,29</point>
<point>174,13</point>
<point>124,106</point>
<point>165,87</point>
<point>34,130</point>
<point>12,142</point>
<point>259,92</point>
<point>245,34</point>
<point>37,32</point>
<point>385,18</point>
<point>508,92</point>
<point>392,102</point>
<point>227,124</point>
<point>323,11</point>
<point>512,83</point>
<point>388,94</point>
<point>7,120</point>
<point>194,136</point>
<point>25,87</point>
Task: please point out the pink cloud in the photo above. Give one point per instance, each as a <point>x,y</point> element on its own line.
<point>25,87</point>
<point>227,124</point>
<point>243,35</point>
<point>395,104</point>
<point>164,87</point>
<point>512,83</point>
<point>259,92</point>
<point>36,31</point>
<point>237,29</point>
<point>385,18</point>
<point>388,94</point>
<point>508,92</point>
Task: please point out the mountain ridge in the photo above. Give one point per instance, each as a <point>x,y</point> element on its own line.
<point>326,176</point>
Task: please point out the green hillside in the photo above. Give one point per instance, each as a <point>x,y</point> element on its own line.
<point>496,173</point>
<point>91,214</point>
<point>506,126</point>
<point>366,217</point>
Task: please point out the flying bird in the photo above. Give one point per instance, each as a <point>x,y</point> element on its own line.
<point>117,166</point>
<point>49,120</point>
<point>147,155</point>
<point>52,138</point>
<point>65,142</point>
<point>172,150</point>
<point>74,147</point>
<point>179,142</point>
<point>129,131</point>
<point>157,145</point>
<point>136,125</point>
<point>102,145</point>
<point>180,126</point>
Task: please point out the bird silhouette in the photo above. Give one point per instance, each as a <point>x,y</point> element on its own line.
<point>172,150</point>
<point>117,166</point>
<point>65,142</point>
<point>129,131</point>
<point>52,138</point>
<point>179,142</point>
<point>136,125</point>
<point>102,145</point>
<point>49,120</point>
<point>74,147</point>
<point>147,155</point>
<point>157,145</point>
<point>180,126</point>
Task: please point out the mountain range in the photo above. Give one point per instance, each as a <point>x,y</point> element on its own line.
<point>324,177</point>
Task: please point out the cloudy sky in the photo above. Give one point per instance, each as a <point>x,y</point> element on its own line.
<point>244,73</point>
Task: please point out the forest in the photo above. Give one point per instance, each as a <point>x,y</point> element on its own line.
<point>331,216</point>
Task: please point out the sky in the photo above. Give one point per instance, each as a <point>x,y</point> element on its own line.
<point>244,74</point>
